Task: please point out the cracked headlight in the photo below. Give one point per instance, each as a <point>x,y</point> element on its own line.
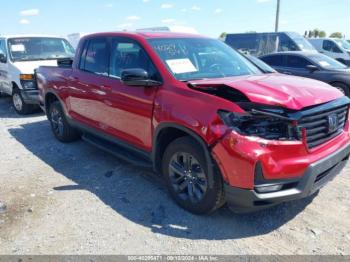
<point>260,125</point>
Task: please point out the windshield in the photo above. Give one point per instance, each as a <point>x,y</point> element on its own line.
<point>327,62</point>
<point>38,48</point>
<point>200,58</point>
<point>343,43</point>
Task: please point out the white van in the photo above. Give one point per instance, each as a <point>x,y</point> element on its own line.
<point>19,57</point>
<point>336,48</point>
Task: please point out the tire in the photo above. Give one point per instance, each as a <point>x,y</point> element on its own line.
<point>342,88</point>
<point>20,106</point>
<point>199,191</point>
<point>59,125</point>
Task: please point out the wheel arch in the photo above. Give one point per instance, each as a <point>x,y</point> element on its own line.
<point>333,83</point>
<point>51,97</point>
<point>338,82</point>
<point>14,86</point>
<point>165,134</point>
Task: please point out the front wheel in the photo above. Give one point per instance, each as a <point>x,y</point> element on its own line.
<point>18,103</point>
<point>59,125</point>
<point>188,179</point>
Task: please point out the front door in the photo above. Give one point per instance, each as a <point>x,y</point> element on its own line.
<point>128,110</point>
<point>297,65</point>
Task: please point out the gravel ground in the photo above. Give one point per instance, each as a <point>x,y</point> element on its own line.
<point>76,199</point>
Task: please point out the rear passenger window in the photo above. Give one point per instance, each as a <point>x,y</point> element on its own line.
<point>127,54</point>
<point>274,60</point>
<point>297,62</point>
<point>95,57</point>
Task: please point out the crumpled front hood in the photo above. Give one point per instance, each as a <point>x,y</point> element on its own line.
<point>276,89</point>
<point>27,67</point>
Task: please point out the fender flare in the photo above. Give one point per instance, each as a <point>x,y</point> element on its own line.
<point>210,161</point>
<point>52,92</point>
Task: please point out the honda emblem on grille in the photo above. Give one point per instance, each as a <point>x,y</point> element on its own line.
<point>332,123</point>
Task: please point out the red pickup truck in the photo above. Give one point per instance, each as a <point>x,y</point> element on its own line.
<point>216,127</point>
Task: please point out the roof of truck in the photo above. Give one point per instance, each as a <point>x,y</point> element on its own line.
<point>149,35</point>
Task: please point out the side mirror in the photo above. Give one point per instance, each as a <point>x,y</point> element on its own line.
<point>312,68</point>
<point>137,77</point>
<point>3,58</point>
<point>65,62</point>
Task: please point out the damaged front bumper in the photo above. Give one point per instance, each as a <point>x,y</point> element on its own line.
<point>315,177</point>
<point>260,174</point>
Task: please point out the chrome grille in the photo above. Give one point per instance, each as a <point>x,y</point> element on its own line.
<point>323,126</point>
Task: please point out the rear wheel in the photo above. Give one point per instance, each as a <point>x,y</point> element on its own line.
<point>18,103</point>
<point>59,125</point>
<point>188,179</point>
<point>342,88</point>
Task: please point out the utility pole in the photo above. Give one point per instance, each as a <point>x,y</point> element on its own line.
<point>277,15</point>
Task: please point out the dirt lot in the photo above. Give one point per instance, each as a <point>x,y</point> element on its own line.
<point>76,199</point>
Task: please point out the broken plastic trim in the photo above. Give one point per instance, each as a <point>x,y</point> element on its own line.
<point>220,90</point>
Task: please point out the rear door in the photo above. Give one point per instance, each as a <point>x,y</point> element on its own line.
<point>89,84</point>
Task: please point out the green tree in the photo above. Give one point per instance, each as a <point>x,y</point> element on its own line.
<point>316,32</point>
<point>337,35</point>
<point>322,34</point>
<point>223,35</point>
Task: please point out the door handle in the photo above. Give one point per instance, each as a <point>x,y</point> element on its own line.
<point>73,78</point>
<point>105,88</point>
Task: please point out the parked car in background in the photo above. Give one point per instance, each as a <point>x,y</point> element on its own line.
<point>336,48</point>
<point>311,65</point>
<point>265,68</point>
<point>19,57</point>
<point>214,126</point>
<point>258,44</point>
<point>74,38</point>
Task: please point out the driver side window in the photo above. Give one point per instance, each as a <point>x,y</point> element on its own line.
<point>128,54</point>
<point>331,47</point>
<point>297,62</point>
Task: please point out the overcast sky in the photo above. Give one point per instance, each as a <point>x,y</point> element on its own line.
<point>209,17</point>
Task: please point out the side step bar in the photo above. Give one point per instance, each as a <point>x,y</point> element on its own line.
<point>119,151</point>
